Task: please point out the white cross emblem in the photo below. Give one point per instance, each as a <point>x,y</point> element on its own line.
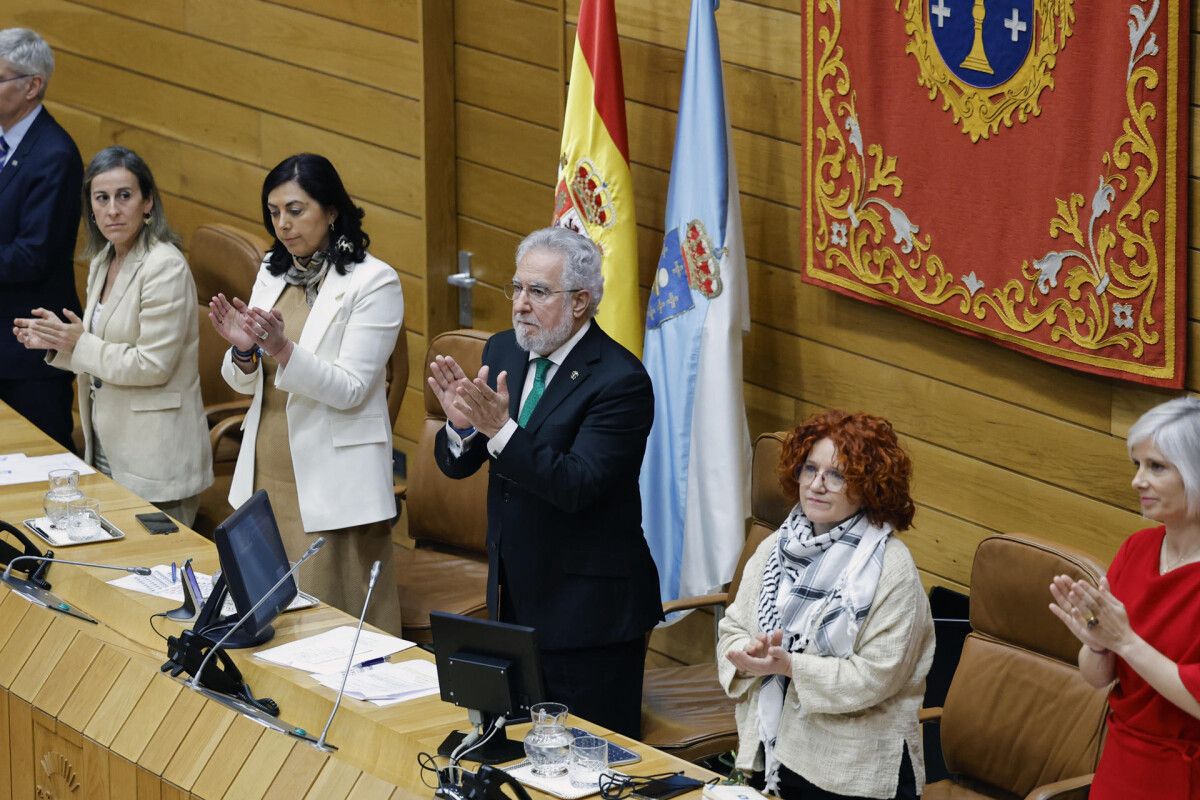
<point>941,11</point>
<point>1015,25</point>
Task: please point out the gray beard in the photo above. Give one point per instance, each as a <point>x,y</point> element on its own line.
<point>544,341</point>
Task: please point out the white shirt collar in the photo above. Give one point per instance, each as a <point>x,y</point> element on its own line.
<point>560,355</point>
<point>16,133</point>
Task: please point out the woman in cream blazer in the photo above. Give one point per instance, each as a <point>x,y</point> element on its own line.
<point>339,433</point>
<point>311,346</point>
<point>135,350</point>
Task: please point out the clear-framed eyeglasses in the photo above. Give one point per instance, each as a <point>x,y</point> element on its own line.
<point>808,473</point>
<point>535,293</point>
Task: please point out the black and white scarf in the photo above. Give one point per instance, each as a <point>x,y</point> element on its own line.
<point>308,272</point>
<point>817,589</point>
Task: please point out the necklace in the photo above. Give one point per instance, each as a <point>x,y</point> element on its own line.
<point>1180,560</point>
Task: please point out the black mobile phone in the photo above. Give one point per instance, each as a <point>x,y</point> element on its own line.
<point>666,787</point>
<point>158,522</point>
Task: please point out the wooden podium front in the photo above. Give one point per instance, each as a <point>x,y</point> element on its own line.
<point>85,713</point>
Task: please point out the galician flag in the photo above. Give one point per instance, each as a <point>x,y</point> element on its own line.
<point>695,479</point>
<point>595,190</point>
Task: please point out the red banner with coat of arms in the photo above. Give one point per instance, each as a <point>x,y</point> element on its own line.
<point>1013,169</point>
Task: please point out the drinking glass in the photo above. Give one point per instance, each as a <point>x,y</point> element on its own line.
<point>588,761</point>
<point>83,522</point>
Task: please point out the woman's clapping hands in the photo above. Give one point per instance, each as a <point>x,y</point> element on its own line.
<point>763,656</point>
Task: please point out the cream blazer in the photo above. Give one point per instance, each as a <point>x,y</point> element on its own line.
<point>339,432</point>
<point>845,721</point>
<point>147,409</point>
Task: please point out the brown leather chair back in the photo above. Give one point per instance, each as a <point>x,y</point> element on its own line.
<point>768,505</point>
<point>223,259</point>
<point>1018,715</point>
<point>442,510</point>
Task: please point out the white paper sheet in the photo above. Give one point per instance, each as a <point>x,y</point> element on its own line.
<point>159,584</point>
<point>328,652</point>
<point>387,683</point>
<point>19,468</point>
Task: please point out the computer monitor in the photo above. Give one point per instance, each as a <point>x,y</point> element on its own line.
<point>252,561</point>
<point>491,669</point>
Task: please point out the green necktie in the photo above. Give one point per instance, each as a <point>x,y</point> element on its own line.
<point>539,388</point>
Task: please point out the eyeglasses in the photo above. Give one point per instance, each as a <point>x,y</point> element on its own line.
<point>535,293</point>
<point>808,473</point>
<point>15,78</point>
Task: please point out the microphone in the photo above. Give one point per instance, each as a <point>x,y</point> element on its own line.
<point>8,572</point>
<point>34,593</point>
<point>309,553</point>
<point>321,743</point>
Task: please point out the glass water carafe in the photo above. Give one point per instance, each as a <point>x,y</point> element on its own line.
<point>64,490</point>
<point>548,743</point>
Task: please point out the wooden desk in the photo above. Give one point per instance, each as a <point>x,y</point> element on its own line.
<point>85,712</point>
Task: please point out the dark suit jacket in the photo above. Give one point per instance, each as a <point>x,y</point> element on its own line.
<point>39,219</point>
<point>564,509</point>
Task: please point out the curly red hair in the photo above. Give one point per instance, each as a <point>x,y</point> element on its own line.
<point>877,471</point>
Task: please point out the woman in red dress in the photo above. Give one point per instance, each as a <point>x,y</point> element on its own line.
<point>1141,626</point>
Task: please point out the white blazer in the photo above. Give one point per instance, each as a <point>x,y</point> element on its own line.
<point>339,432</point>
<point>144,353</point>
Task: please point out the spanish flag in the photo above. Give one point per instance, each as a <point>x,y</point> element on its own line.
<point>594,195</point>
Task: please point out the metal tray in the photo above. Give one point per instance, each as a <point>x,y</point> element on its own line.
<point>52,536</point>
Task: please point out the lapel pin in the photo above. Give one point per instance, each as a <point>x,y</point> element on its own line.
<point>574,374</point>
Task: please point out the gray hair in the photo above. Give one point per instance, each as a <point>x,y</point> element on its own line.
<point>1174,428</point>
<point>155,229</point>
<point>581,260</point>
<point>29,53</point>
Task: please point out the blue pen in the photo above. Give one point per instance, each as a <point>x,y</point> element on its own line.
<point>370,662</point>
<point>174,572</point>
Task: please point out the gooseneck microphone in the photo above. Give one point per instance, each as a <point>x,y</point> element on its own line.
<point>309,553</point>
<point>134,570</point>
<point>43,596</point>
<point>321,743</point>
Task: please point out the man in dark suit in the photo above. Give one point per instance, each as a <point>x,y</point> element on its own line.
<point>41,176</point>
<point>562,412</point>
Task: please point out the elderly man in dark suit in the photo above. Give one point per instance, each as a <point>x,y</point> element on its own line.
<point>41,175</point>
<point>561,412</point>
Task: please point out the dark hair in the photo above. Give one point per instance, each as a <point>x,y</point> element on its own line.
<point>318,178</point>
<point>155,229</point>
<point>877,471</point>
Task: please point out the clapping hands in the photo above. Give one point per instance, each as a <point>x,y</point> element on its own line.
<point>764,655</point>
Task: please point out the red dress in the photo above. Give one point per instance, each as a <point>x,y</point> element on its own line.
<point>1152,750</point>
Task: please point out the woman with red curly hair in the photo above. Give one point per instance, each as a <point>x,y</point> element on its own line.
<point>827,644</point>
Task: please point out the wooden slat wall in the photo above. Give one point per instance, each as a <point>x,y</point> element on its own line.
<point>1000,442</point>
<point>213,93</point>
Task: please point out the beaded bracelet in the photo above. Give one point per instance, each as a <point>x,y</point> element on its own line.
<point>250,356</point>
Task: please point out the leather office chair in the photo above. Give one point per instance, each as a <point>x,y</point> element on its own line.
<point>222,259</point>
<point>1019,721</point>
<point>447,570</point>
<point>684,709</point>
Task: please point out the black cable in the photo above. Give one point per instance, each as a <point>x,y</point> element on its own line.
<point>152,616</point>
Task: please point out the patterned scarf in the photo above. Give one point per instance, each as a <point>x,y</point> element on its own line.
<point>817,589</point>
<point>308,272</point>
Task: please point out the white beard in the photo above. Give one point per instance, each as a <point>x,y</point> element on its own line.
<point>540,340</point>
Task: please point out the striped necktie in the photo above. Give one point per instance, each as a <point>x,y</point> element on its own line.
<point>3,151</point>
<point>539,388</point>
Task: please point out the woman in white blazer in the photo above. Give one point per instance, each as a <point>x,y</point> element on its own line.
<point>135,350</point>
<point>311,346</point>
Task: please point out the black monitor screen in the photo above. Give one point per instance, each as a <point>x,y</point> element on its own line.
<point>253,560</point>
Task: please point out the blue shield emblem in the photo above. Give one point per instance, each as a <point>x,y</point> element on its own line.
<point>983,42</point>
